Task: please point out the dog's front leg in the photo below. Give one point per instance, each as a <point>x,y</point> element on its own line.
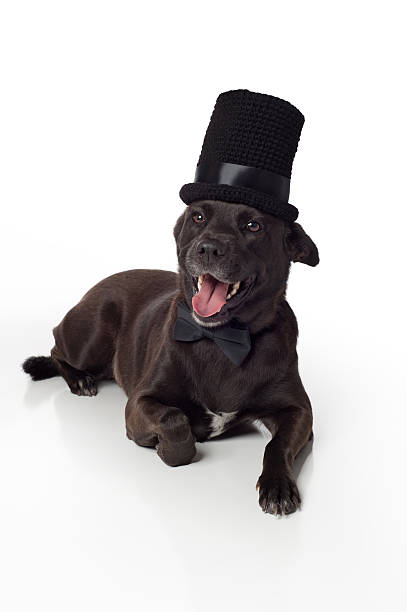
<point>291,429</point>
<point>151,423</point>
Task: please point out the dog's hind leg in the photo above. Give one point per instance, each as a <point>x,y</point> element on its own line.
<point>41,368</point>
<point>85,343</point>
<point>80,383</point>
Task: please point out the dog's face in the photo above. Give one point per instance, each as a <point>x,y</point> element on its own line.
<point>234,260</point>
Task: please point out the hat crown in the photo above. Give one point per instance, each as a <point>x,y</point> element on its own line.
<point>253,129</point>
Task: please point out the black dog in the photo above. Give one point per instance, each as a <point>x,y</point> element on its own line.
<point>233,266</point>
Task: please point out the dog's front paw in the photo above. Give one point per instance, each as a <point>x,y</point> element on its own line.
<point>179,453</point>
<point>278,494</point>
<point>176,443</point>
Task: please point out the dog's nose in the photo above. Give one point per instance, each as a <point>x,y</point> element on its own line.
<point>211,248</point>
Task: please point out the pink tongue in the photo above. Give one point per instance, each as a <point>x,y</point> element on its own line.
<point>211,296</point>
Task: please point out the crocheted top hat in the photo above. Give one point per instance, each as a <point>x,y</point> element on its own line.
<point>248,152</point>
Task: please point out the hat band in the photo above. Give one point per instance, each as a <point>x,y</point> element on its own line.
<point>223,173</point>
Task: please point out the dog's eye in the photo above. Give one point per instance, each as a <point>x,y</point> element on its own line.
<point>198,217</point>
<point>253,226</point>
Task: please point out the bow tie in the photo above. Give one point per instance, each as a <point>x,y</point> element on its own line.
<point>233,339</point>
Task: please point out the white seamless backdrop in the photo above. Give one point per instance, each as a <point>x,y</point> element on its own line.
<point>103,110</point>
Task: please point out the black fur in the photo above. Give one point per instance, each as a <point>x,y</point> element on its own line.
<point>123,328</point>
<point>40,368</point>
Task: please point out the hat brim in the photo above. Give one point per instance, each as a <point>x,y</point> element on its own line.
<point>192,192</point>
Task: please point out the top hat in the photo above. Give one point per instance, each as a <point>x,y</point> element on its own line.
<point>248,152</point>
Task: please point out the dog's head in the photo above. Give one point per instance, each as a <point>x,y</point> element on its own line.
<point>234,260</point>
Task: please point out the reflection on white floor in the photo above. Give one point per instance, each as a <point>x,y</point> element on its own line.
<point>84,506</point>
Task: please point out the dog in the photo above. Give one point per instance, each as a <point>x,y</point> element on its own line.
<point>234,263</point>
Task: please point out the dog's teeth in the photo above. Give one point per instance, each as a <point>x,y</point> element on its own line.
<point>200,281</point>
<point>234,290</point>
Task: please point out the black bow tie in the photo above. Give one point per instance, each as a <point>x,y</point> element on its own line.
<point>233,339</point>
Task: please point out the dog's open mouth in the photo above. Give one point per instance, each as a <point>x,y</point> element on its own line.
<point>213,295</point>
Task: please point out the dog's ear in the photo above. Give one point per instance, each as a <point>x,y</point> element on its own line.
<point>178,226</point>
<point>299,245</point>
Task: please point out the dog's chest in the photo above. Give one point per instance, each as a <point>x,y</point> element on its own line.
<point>218,402</point>
<point>220,422</point>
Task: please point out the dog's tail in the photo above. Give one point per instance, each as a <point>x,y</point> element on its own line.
<point>40,368</point>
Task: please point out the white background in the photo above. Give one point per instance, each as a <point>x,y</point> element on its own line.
<point>104,106</point>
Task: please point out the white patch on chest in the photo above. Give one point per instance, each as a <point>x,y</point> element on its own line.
<point>266,433</point>
<point>220,422</point>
